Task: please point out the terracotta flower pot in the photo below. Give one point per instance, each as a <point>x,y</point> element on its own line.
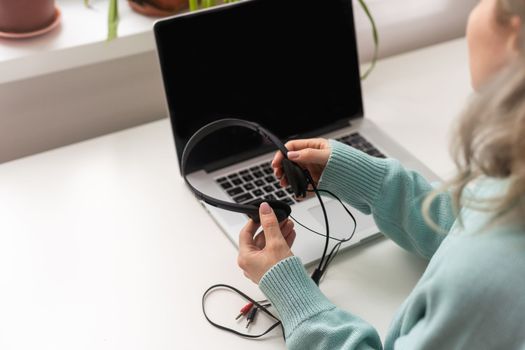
<point>158,8</point>
<point>23,16</point>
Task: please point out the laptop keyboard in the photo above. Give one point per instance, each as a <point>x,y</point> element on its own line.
<point>356,140</point>
<point>258,182</point>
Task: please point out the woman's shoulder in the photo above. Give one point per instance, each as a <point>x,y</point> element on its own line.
<point>471,292</point>
<point>490,260</point>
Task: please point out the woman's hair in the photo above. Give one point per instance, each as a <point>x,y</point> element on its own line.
<point>505,9</point>
<point>489,140</point>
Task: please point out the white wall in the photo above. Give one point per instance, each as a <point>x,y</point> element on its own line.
<point>409,24</point>
<point>65,107</point>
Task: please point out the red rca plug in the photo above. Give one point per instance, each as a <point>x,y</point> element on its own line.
<point>245,309</point>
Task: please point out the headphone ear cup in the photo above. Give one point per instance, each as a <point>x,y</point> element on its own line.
<point>281,209</point>
<point>296,177</point>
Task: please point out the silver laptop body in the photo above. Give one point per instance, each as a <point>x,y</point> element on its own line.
<point>222,33</point>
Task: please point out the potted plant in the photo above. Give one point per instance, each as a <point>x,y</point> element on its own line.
<point>154,8</point>
<point>158,8</point>
<point>27,18</point>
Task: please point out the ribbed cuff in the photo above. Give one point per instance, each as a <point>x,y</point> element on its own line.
<point>353,175</point>
<point>293,293</point>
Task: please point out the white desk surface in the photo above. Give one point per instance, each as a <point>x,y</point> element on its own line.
<point>103,247</point>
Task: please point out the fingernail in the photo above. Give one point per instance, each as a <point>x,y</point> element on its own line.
<point>265,208</point>
<point>293,155</point>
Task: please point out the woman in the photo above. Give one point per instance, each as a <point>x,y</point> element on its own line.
<point>471,295</point>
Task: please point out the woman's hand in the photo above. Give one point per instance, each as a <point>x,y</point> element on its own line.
<point>311,154</point>
<point>258,253</point>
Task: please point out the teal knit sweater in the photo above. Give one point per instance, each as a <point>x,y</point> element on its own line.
<point>471,296</point>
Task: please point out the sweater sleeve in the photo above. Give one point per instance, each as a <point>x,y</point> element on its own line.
<point>309,319</point>
<point>470,299</point>
<point>391,193</point>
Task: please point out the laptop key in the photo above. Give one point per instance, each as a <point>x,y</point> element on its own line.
<point>237,181</point>
<point>288,201</point>
<point>268,189</point>
<point>259,183</point>
<point>277,185</point>
<point>289,190</point>
<point>222,179</point>
<point>249,187</point>
<point>235,191</point>
<point>268,171</point>
<point>244,172</point>
<point>270,197</point>
<point>258,193</point>
<point>258,174</point>
<point>255,168</point>
<point>280,194</point>
<point>232,176</point>
<point>357,145</point>
<point>247,178</point>
<point>226,185</point>
<point>269,179</point>
<point>243,198</point>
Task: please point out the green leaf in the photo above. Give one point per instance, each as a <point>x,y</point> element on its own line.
<point>113,19</point>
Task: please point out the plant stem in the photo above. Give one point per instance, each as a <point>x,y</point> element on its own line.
<point>112,19</point>
<point>375,37</point>
<point>193,5</point>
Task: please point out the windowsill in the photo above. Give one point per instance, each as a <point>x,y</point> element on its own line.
<point>79,40</point>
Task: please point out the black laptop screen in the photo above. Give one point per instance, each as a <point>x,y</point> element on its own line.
<point>290,65</point>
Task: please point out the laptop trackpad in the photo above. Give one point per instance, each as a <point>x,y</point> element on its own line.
<point>341,224</point>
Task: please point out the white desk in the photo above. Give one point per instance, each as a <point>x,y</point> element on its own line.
<point>103,247</point>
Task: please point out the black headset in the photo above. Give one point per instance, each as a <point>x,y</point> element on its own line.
<point>297,178</point>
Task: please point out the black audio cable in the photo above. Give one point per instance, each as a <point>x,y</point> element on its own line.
<point>324,263</point>
<point>256,306</point>
<point>327,259</point>
<point>318,272</point>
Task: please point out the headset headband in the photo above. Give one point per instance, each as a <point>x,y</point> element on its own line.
<point>250,210</point>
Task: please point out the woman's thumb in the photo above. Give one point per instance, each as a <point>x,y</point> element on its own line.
<point>309,155</point>
<point>269,223</point>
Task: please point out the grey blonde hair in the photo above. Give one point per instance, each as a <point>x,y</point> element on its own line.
<point>489,140</point>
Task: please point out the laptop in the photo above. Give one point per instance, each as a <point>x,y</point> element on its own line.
<point>289,65</point>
